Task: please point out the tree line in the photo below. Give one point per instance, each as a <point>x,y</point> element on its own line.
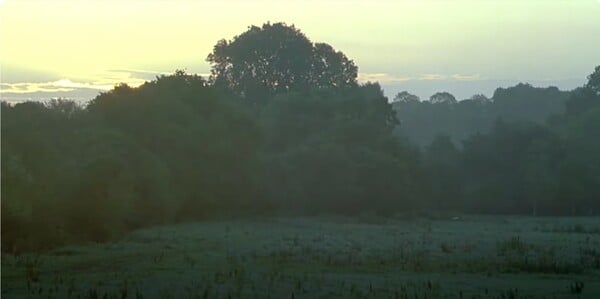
<point>281,127</point>
<point>526,150</point>
<point>422,121</point>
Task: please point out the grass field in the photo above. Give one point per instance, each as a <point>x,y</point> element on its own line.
<point>325,257</point>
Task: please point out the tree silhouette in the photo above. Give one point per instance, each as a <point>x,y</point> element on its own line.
<point>277,58</point>
<point>406,97</point>
<point>442,97</point>
<point>479,98</point>
<point>593,83</point>
<point>331,68</point>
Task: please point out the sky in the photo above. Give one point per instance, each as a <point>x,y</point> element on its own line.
<point>76,49</point>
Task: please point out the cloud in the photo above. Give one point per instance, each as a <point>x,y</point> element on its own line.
<point>143,74</point>
<point>453,77</point>
<point>381,78</point>
<point>63,88</point>
<point>16,74</point>
<point>134,73</point>
<point>96,83</point>
<point>61,85</point>
<point>432,77</point>
<point>386,78</point>
<point>133,77</point>
<point>81,89</point>
<point>460,77</point>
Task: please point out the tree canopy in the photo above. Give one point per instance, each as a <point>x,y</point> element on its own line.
<point>442,97</point>
<point>277,58</point>
<point>593,83</point>
<point>423,121</point>
<point>406,97</point>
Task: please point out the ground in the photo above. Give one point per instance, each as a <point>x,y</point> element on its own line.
<point>325,257</point>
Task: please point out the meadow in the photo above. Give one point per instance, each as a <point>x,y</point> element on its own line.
<point>325,257</point>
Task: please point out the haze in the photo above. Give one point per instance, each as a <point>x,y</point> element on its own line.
<point>339,149</point>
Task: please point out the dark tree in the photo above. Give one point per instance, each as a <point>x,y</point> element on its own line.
<point>441,163</point>
<point>406,97</point>
<point>513,169</point>
<point>334,151</point>
<point>331,68</point>
<point>585,98</point>
<point>593,83</point>
<point>422,121</point>
<point>442,97</point>
<point>277,58</point>
<point>479,98</point>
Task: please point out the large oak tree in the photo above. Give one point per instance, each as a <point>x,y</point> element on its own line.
<point>277,58</point>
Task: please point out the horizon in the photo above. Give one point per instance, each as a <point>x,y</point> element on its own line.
<point>422,47</point>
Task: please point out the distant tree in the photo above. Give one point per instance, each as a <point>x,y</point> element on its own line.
<point>277,58</point>
<point>593,83</point>
<point>66,107</point>
<point>581,100</point>
<point>406,97</point>
<point>334,150</point>
<point>585,98</point>
<point>480,98</point>
<point>422,121</point>
<point>580,180</point>
<point>580,177</point>
<point>441,163</point>
<point>524,102</point>
<point>512,169</point>
<point>442,97</point>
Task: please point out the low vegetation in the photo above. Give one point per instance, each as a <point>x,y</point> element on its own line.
<point>318,257</point>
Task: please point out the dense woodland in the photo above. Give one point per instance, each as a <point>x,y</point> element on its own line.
<point>283,127</point>
<point>422,121</point>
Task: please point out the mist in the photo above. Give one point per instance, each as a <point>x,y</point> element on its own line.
<point>285,172</point>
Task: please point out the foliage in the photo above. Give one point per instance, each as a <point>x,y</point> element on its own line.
<point>277,58</point>
<point>441,165</point>
<point>442,98</point>
<point>512,169</point>
<point>406,97</point>
<point>134,156</point>
<point>443,115</point>
<point>209,146</point>
<point>333,150</point>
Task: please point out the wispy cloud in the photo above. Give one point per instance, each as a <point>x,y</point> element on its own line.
<point>461,77</point>
<point>100,82</point>
<point>431,77</point>
<point>381,77</point>
<point>386,78</point>
<point>61,85</point>
<point>83,89</point>
<point>136,74</point>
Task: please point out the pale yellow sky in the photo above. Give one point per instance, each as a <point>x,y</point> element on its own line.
<point>49,47</point>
